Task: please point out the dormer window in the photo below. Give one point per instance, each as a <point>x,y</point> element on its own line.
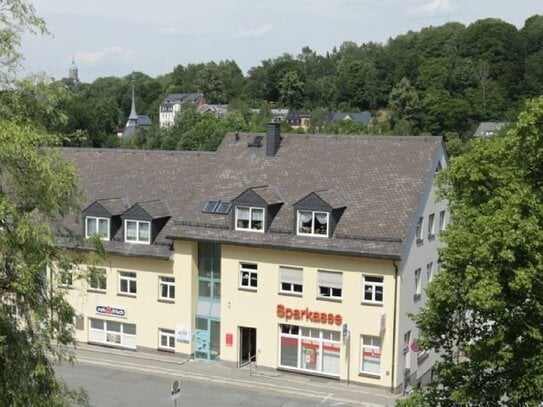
<point>97,226</point>
<point>249,218</point>
<point>313,223</point>
<point>137,231</point>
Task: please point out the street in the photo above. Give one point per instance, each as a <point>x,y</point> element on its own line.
<point>117,379</point>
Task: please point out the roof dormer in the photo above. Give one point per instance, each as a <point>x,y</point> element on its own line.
<point>256,208</point>
<point>318,213</point>
<point>144,221</point>
<point>102,217</point>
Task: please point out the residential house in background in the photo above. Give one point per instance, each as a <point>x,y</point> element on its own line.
<point>298,120</point>
<point>303,253</point>
<point>279,115</point>
<point>487,129</point>
<point>216,110</point>
<point>363,118</point>
<point>173,103</point>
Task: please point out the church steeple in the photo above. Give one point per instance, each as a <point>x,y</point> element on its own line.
<point>133,114</point>
<point>73,73</point>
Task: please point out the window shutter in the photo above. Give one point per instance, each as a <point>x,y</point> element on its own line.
<point>330,279</point>
<point>291,275</point>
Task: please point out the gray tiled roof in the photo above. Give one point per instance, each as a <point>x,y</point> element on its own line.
<point>486,129</point>
<point>182,97</point>
<point>156,209</point>
<point>377,179</point>
<point>269,194</point>
<point>115,206</point>
<point>332,198</point>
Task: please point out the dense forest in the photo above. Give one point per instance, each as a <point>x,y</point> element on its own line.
<point>442,81</point>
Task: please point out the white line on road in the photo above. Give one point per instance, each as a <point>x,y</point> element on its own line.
<point>266,387</point>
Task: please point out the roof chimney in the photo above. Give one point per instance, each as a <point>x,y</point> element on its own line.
<point>273,139</point>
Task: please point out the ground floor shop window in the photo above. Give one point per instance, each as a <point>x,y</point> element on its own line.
<point>310,349</point>
<point>370,355</point>
<point>112,333</point>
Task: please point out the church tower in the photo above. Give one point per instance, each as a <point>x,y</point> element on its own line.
<point>73,73</point>
<point>135,121</point>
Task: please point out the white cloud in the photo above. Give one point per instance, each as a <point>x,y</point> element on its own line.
<point>258,32</point>
<point>95,57</point>
<point>434,7</point>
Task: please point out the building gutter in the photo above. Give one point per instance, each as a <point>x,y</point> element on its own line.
<point>394,317</point>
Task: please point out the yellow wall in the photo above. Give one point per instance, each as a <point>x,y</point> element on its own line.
<point>257,309</point>
<point>243,308</point>
<point>144,309</point>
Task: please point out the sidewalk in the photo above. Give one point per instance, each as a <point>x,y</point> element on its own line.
<point>249,377</point>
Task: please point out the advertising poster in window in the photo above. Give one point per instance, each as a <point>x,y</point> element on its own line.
<point>182,333</point>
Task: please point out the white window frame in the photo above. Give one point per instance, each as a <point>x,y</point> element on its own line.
<point>170,335</point>
<point>329,292</point>
<point>419,230</point>
<point>431,226</point>
<point>250,224</point>
<point>166,281</point>
<point>373,285</point>
<point>442,220</point>
<point>96,271</point>
<point>131,279</point>
<point>418,282</point>
<point>430,271</point>
<point>138,224</point>
<point>252,271</point>
<point>289,285</point>
<point>110,337</point>
<point>97,219</point>
<point>374,348</point>
<point>313,217</point>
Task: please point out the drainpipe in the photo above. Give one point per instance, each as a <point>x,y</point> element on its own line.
<point>394,327</point>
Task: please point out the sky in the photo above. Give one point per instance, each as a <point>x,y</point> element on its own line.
<point>117,37</point>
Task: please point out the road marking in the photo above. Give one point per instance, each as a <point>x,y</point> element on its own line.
<point>265,387</point>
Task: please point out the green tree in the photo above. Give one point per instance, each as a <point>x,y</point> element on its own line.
<point>37,187</point>
<point>484,313</point>
<point>17,16</point>
<point>404,108</point>
<point>291,89</point>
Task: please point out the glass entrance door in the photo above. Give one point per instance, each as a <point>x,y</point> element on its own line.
<point>207,339</point>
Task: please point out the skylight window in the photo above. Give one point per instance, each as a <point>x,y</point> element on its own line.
<point>210,206</point>
<point>220,207</point>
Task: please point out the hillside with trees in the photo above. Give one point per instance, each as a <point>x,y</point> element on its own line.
<point>441,80</point>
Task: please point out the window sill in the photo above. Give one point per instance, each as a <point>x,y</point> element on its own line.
<point>313,235</point>
<point>417,297</point>
<point>369,375</point>
<point>249,289</point>
<point>127,295</point>
<point>431,237</point>
<point>419,242</point>
<point>168,350</point>
<point>331,299</point>
<point>422,358</point>
<point>167,300</point>
<point>96,291</point>
<point>66,287</point>
<point>372,304</point>
<point>250,230</point>
<point>289,294</point>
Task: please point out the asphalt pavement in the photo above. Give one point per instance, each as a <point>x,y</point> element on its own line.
<point>115,377</point>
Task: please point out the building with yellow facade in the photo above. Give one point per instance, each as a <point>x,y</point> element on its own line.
<point>297,252</point>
